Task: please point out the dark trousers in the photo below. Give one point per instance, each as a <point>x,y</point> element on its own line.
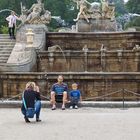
<point>74,101</point>
<point>11,31</point>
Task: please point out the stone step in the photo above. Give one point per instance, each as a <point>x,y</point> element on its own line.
<point>6,46</point>
<point>4,58</point>
<point>6,43</point>
<point>7,40</point>
<point>3,61</point>
<point>6,49</point>
<point>4,55</point>
<point>4,35</point>
<point>5,52</point>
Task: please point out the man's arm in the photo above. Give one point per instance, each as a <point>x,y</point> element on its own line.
<point>8,18</point>
<point>66,88</point>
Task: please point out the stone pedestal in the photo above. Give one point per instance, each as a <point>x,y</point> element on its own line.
<point>96,25</point>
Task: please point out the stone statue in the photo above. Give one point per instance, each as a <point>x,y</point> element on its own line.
<point>24,13</point>
<point>82,5</point>
<point>104,7</point>
<point>95,10</point>
<point>111,12</point>
<point>36,14</point>
<point>108,10</point>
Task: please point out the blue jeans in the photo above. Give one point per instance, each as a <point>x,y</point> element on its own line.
<point>74,101</point>
<point>37,109</point>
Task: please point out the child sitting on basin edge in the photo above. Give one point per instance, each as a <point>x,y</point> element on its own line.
<point>75,96</point>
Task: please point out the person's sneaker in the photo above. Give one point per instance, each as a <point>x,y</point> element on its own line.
<point>76,107</point>
<point>63,107</point>
<point>71,107</point>
<point>38,120</point>
<point>53,107</point>
<point>26,120</point>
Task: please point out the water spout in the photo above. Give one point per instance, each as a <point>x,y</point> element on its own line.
<point>8,10</point>
<point>102,50</point>
<point>3,10</point>
<point>52,49</point>
<point>85,49</point>
<point>59,20</point>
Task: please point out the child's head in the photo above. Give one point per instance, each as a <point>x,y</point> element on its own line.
<point>74,86</point>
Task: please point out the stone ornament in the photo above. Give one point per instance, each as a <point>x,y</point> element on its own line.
<point>95,10</point>
<point>36,14</point>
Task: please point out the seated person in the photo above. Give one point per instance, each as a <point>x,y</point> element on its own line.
<point>59,90</point>
<point>75,96</point>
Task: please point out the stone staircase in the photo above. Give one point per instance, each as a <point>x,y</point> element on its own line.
<point>6,46</point>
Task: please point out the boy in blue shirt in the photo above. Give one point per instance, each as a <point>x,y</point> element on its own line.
<point>75,96</point>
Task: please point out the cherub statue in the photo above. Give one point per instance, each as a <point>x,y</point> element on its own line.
<point>82,5</point>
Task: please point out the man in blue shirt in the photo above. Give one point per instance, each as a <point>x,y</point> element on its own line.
<point>59,89</point>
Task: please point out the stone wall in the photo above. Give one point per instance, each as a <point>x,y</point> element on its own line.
<point>93,41</point>
<point>91,61</point>
<point>93,85</point>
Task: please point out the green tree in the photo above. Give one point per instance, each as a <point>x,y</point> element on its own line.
<point>133,6</point>
<point>119,7</point>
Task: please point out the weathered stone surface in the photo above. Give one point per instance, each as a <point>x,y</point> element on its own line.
<point>94,85</point>
<point>92,61</point>
<point>94,41</point>
<point>96,25</point>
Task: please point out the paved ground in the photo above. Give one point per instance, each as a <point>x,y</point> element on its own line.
<point>82,124</point>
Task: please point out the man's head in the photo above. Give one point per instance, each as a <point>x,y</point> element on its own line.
<point>12,13</point>
<point>60,79</point>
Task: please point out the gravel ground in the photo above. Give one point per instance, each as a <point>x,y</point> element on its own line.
<point>81,124</point>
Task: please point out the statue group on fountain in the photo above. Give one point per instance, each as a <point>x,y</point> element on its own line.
<point>36,14</point>
<point>95,10</point>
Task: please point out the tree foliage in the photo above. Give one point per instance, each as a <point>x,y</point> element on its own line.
<point>120,7</point>
<point>64,8</point>
<point>133,6</point>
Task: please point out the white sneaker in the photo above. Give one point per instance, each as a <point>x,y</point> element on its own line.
<point>63,107</point>
<point>53,107</point>
<point>71,107</point>
<point>76,107</point>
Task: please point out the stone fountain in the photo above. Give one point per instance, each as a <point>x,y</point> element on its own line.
<point>99,58</point>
